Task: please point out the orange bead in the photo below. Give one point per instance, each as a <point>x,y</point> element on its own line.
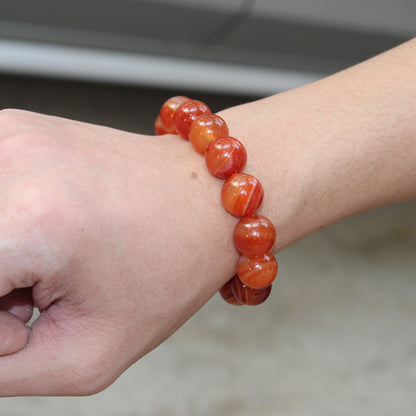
<point>254,235</point>
<point>227,294</point>
<point>241,194</point>
<point>205,129</point>
<point>167,112</point>
<point>186,114</point>
<point>225,156</point>
<point>257,271</point>
<point>159,127</point>
<point>247,295</point>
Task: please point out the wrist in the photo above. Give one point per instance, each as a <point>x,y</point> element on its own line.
<point>275,159</point>
<point>241,195</point>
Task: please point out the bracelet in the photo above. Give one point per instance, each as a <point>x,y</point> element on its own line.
<point>241,195</point>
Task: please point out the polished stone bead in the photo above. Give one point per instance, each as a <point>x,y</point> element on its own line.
<point>225,156</point>
<point>167,112</point>
<point>205,129</point>
<point>227,294</point>
<point>248,295</point>
<point>186,114</point>
<point>257,271</point>
<point>159,127</point>
<point>241,194</point>
<point>254,235</point>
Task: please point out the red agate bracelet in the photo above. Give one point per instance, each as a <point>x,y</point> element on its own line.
<point>241,195</point>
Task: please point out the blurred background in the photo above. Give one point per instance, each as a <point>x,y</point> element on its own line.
<point>338,335</point>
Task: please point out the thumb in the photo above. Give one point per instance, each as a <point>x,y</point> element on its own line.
<point>15,309</point>
<point>14,334</point>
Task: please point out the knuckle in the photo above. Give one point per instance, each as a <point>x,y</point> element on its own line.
<point>23,126</point>
<point>10,117</point>
<point>10,112</point>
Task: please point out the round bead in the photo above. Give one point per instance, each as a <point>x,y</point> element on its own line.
<point>225,156</point>
<point>241,194</point>
<point>205,129</point>
<point>247,295</point>
<point>186,114</point>
<point>167,112</point>
<point>227,294</point>
<point>254,235</point>
<point>257,271</point>
<point>159,127</point>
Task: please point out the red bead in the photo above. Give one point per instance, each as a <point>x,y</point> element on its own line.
<point>186,114</point>
<point>225,156</point>
<point>257,271</point>
<point>248,295</point>
<point>159,127</point>
<point>241,194</point>
<point>167,112</point>
<point>227,294</point>
<point>254,235</point>
<point>205,129</point>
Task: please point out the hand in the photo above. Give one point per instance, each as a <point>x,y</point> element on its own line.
<point>120,238</point>
<point>116,238</point>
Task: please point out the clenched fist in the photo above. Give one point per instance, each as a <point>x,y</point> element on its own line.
<point>117,238</point>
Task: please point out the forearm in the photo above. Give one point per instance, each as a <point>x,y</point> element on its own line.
<point>334,148</point>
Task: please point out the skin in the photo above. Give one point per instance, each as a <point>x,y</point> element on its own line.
<point>120,237</point>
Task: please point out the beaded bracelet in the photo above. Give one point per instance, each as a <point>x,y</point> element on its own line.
<point>241,195</point>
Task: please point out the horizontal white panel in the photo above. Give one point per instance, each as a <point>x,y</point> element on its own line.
<point>79,63</point>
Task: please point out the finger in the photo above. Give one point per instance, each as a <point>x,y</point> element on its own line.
<point>19,302</point>
<point>62,357</point>
<point>14,334</point>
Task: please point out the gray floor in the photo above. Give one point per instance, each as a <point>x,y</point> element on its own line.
<point>338,336</point>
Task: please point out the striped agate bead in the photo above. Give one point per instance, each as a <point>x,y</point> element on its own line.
<point>257,271</point>
<point>225,156</point>
<point>241,194</point>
